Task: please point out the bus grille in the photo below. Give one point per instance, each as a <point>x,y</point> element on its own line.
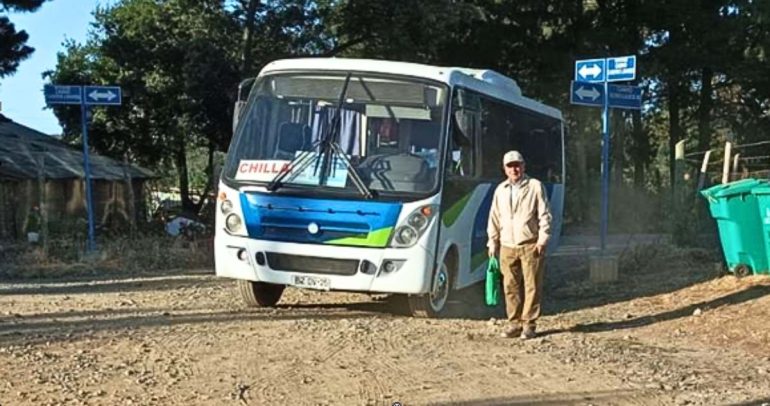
<point>305,264</point>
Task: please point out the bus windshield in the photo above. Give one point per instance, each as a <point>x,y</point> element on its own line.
<point>388,128</point>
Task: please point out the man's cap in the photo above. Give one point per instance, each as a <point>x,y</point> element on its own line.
<point>512,156</point>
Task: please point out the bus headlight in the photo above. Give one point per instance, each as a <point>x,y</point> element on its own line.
<point>418,221</point>
<point>226,207</point>
<point>409,231</point>
<point>406,236</point>
<point>233,223</point>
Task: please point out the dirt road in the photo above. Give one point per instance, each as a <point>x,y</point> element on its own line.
<point>676,335</point>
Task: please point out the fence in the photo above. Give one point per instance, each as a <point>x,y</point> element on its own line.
<point>741,161</point>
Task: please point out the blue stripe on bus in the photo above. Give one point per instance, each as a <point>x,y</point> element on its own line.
<point>343,222</point>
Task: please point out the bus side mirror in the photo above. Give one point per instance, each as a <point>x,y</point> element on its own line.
<point>237,110</point>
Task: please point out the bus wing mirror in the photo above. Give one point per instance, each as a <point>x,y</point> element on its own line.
<point>237,110</point>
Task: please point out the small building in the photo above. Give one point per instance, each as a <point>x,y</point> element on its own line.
<point>38,170</point>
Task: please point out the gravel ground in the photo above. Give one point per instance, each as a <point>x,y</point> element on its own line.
<point>670,331</point>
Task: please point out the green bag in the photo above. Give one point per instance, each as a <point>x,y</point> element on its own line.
<point>493,288</point>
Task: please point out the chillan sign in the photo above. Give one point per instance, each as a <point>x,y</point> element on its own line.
<point>261,170</point>
<point>265,170</point>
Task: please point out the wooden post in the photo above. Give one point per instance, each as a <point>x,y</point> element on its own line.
<point>129,196</point>
<point>680,204</point>
<point>704,166</point>
<point>42,203</point>
<point>3,211</point>
<point>679,167</point>
<point>726,163</point>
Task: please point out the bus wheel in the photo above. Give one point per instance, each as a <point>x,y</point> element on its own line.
<point>433,304</point>
<point>260,294</point>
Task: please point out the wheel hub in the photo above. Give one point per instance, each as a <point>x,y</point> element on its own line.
<point>439,293</point>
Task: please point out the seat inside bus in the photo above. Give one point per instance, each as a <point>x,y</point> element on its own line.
<point>408,166</point>
<point>292,137</point>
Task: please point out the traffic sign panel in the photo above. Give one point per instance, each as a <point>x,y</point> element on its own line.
<point>621,68</point>
<point>62,94</point>
<point>587,94</point>
<point>103,95</point>
<point>624,97</point>
<point>590,70</point>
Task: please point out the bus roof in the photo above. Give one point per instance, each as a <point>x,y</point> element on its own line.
<point>484,81</point>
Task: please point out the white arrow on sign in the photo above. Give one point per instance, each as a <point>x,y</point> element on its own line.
<point>108,95</point>
<point>593,70</point>
<point>584,93</point>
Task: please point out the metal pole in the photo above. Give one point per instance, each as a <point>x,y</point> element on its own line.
<point>605,167</point>
<point>90,245</point>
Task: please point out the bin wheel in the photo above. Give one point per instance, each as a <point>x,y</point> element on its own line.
<point>741,270</point>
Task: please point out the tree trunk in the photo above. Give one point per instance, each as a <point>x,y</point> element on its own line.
<point>704,109</point>
<point>184,182</point>
<point>674,128</point>
<point>248,37</point>
<point>582,179</point>
<point>618,147</point>
<point>129,196</point>
<point>641,151</point>
<point>211,181</point>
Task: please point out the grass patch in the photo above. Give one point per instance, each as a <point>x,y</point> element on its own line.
<point>140,254</point>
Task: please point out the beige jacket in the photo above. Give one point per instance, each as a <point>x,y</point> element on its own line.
<point>528,221</point>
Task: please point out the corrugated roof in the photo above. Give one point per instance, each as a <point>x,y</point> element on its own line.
<point>21,148</point>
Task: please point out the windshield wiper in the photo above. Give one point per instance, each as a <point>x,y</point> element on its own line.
<point>328,148</point>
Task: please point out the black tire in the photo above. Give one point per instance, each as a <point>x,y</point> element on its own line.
<point>260,294</point>
<point>434,303</point>
<point>742,270</point>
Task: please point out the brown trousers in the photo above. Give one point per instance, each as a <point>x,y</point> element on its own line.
<point>522,271</point>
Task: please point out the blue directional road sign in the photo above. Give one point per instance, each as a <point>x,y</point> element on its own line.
<point>85,96</point>
<point>621,68</point>
<point>103,95</point>
<point>590,70</point>
<point>624,97</point>
<point>587,94</point>
<point>62,94</point>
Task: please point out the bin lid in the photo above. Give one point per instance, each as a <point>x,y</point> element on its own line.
<point>740,187</point>
<point>761,190</point>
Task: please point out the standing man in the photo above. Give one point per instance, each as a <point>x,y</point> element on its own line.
<point>518,230</point>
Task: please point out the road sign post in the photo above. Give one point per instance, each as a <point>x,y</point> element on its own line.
<point>605,169</point>
<point>85,96</point>
<point>591,87</point>
<point>91,244</point>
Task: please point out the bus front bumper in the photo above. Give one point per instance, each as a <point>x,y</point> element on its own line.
<point>325,267</point>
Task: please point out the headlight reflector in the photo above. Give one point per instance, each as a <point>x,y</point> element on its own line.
<point>226,207</point>
<point>233,223</point>
<point>406,235</point>
<point>418,221</point>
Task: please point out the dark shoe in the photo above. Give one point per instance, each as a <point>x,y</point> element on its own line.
<point>511,332</point>
<point>528,333</point>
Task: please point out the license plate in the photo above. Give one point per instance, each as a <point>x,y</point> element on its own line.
<point>311,282</point>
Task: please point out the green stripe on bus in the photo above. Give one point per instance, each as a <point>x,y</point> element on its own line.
<point>453,213</point>
<point>377,238</point>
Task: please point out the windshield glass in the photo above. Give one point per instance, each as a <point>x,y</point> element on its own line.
<point>389,129</point>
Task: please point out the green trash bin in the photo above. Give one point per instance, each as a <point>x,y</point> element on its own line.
<point>762,194</point>
<point>736,210</point>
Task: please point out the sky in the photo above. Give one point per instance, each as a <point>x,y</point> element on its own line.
<point>22,93</point>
